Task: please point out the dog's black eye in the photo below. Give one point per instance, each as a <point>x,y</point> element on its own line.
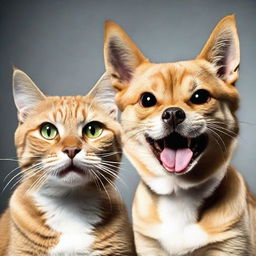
<point>200,97</point>
<point>147,100</point>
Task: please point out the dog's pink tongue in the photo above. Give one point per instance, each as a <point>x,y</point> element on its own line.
<point>176,160</point>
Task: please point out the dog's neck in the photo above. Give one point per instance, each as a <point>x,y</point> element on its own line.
<point>163,183</point>
<point>174,185</point>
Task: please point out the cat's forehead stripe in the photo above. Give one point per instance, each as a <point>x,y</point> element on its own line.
<point>70,108</point>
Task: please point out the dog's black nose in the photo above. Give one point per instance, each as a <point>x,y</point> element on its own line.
<point>173,116</point>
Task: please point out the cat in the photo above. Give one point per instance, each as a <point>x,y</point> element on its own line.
<point>69,149</point>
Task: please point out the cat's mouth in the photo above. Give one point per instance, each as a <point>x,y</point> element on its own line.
<point>71,169</point>
<point>176,153</point>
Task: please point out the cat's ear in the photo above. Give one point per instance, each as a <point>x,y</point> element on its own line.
<point>223,51</point>
<point>26,94</point>
<point>104,94</point>
<point>121,55</point>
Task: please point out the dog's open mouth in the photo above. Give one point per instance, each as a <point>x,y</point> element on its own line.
<point>177,153</point>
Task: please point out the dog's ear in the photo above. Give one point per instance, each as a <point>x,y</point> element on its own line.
<point>121,55</point>
<point>223,51</point>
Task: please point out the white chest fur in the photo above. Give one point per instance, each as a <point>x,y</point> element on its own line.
<point>179,233</point>
<point>73,217</point>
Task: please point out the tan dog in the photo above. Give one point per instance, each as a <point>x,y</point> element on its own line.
<point>180,133</point>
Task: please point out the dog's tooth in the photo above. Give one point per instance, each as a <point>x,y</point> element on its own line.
<point>189,142</point>
<point>156,145</point>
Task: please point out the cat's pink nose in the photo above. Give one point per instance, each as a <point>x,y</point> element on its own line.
<point>71,151</point>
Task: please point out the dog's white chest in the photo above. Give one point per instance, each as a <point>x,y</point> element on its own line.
<point>74,221</point>
<point>179,233</point>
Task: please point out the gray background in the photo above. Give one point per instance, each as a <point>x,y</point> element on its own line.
<point>59,44</point>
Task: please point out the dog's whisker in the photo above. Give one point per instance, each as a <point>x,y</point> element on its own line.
<point>218,136</point>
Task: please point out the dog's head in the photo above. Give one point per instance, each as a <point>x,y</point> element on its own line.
<point>178,118</point>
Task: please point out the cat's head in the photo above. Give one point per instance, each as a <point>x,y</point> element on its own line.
<point>66,141</point>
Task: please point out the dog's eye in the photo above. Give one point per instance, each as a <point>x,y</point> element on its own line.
<point>147,100</point>
<point>200,97</point>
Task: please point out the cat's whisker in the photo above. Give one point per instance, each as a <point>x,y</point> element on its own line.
<point>109,154</point>
<point>93,162</point>
<point>95,180</point>
<point>23,178</point>
<point>18,157</point>
<point>9,159</point>
<point>18,167</point>
<point>115,166</point>
<point>109,171</point>
<point>31,173</point>
<point>101,164</point>
<point>40,182</point>
<point>41,179</point>
<point>35,170</point>
<point>115,163</point>
<point>11,172</point>
<point>103,186</point>
<point>111,164</point>
<point>113,185</point>
<point>18,174</point>
<point>108,181</point>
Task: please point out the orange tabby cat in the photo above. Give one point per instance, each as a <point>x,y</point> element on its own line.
<point>69,150</point>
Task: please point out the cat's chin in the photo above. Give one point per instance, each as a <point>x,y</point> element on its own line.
<point>70,178</point>
<point>71,170</point>
<point>74,179</point>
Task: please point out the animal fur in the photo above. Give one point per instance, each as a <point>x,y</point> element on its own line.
<point>207,208</point>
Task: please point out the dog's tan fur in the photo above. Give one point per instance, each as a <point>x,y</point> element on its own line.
<point>225,217</point>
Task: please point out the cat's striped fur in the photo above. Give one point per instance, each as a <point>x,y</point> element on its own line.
<point>51,213</point>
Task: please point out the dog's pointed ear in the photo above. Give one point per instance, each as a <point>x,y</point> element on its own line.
<point>223,49</point>
<point>26,94</point>
<point>121,55</point>
<point>104,94</point>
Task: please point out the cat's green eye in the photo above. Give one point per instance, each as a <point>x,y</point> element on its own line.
<point>93,130</point>
<point>49,131</point>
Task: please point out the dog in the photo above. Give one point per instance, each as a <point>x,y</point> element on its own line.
<point>180,131</point>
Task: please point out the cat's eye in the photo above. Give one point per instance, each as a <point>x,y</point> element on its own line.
<point>48,131</point>
<point>147,100</point>
<point>200,97</point>
<point>93,129</point>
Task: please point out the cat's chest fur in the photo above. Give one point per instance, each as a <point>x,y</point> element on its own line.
<point>73,217</point>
